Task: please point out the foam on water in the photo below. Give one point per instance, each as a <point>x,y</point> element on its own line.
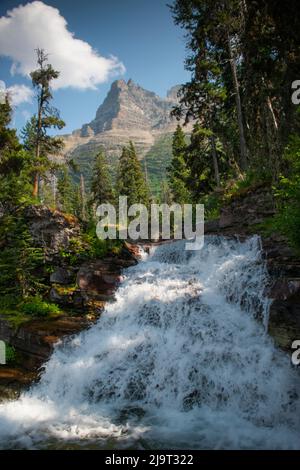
<point>181,359</point>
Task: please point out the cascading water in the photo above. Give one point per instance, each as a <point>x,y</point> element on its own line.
<point>181,359</point>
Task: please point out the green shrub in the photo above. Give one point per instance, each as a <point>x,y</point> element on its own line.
<point>8,302</point>
<point>37,307</point>
<point>212,204</point>
<point>99,248</point>
<point>287,194</point>
<point>250,181</point>
<point>10,354</point>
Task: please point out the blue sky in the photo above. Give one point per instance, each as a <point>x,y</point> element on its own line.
<point>140,34</point>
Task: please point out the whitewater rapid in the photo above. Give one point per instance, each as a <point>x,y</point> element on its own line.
<point>181,359</point>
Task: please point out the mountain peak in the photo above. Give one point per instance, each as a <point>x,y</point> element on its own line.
<point>128,106</point>
<point>118,84</point>
<point>172,93</point>
<point>129,112</point>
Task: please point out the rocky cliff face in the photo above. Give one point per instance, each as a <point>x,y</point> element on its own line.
<point>130,107</point>
<point>129,112</point>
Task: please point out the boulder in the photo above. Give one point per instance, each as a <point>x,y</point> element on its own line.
<point>284,289</point>
<point>96,278</point>
<point>51,229</point>
<point>212,226</point>
<point>67,297</point>
<point>226,219</point>
<point>61,276</point>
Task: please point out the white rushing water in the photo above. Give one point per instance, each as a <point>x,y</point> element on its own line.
<point>181,359</point>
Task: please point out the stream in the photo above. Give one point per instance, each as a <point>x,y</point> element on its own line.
<point>180,360</point>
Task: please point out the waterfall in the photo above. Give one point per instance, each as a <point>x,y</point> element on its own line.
<point>180,359</point>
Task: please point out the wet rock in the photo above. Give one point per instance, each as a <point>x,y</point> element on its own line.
<point>12,381</point>
<point>226,219</point>
<point>284,289</point>
<point>100,278</point>
<point>96,278</point>
<point>284,317</point>
<point>212,226</point>
<point>131,251</point>
<point>284,322</point>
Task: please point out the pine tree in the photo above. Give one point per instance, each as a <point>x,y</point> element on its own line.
<point>200,179</point>
<point>82,198</point>
<point>15,163</point>
<point>66,192</point>
<point>130,179</point>
<point>47,117</point>
<point>101,185</point>
<point>8,138</point>
<point>19,259</point>
<point>243,56</point>
<point>214,29</point>
<point>165,193</point>
<point>178,171</point>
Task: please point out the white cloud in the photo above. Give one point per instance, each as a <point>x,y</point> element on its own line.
<point>37,25</point>
<point>17,94</point>
<point>2,92</point>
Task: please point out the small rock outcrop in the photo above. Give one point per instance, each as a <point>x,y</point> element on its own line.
<point>51,230</point>
<point>61,276</point>
<point>244,212</point>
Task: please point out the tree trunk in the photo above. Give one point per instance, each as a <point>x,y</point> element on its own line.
<point>83,197</point>
<point>243,146</point>
<point>272,139</point>
<point>35,191</point>
<point>54,190</point>
<point>270,106</point>
<point>146,172</point>
<point>215,160</point>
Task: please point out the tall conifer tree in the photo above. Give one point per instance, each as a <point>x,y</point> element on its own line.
<point>131,180</point>
<point>101,186</point>
<point>178,171</point>
<point>47,117</point>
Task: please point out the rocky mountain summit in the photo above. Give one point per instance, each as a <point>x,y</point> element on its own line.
<point>129,107</point>
<point>129,112</point>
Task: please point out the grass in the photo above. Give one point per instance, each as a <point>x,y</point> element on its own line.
<point>239,188</point>
<point>37,307</point>
<point>18,312</point>
<point>11,355</point>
